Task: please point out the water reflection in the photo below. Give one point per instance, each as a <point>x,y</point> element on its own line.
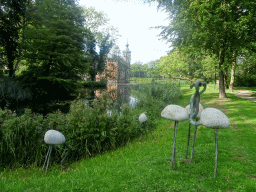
<point>119,92</point>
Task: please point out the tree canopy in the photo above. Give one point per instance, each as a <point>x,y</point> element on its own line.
<point>218,27</point>
<point>54,51</point>
<point>12,15</point>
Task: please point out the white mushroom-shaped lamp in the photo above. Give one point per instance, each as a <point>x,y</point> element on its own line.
<point>53,137</point>
<point>194,138</point>
<point>175,113</point>
<point>143,119</point>
<point>215,119</point>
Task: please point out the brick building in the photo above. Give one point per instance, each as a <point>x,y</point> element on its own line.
<point>117,69</point>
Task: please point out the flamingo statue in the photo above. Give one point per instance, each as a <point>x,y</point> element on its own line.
<point>175,113</point>
<point>53,137</point>
<point>194,110</point>
<point>143,118</point>
<point>214,119</point>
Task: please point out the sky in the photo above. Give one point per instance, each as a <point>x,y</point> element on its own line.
<point>133,19</point>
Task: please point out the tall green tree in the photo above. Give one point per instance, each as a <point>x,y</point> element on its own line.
<point>55,50</point>
<point>246,69</point>
<point>153,67</point>
<point>97,59</point>
<point>219,27</point>
<point>186,65</point>
<point>137,70</point>
<point>12,16</point>
<point>100,41</point>
<point>56,42</point>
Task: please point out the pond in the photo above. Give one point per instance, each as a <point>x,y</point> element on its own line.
<point>120,93</point>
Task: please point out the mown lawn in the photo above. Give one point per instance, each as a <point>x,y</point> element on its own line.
<point>145,165</point>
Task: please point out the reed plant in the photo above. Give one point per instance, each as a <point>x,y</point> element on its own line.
<point>153,97</point>
<point>89,131</point>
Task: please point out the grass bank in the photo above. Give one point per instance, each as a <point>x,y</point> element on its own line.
<point>145,165</point>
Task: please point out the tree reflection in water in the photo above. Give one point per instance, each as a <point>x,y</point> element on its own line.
<point>120,93</point>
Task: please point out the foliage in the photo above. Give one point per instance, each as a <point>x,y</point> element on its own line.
<point>12,95</point>
<point>187,65</point>
<point>98,37</point>
<point>21,138</point>
<point>219,28</point>
<point>246,70</point>
<point>56,41</point>
<point>98,23</point>
<point>208,67</point>
<point>173,65</point>
<point>153,97</point>
<point>145,165</point>
<point>138,70</point>
<point>97,60</point>
<point>12,15</point>
<point>101,83</point>
<point>89,131</point>
<point>146,70</point>
<point>54,54</point>
<point>48,91</point>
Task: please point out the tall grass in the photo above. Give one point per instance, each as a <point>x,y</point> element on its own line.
<point>155,96</point>
<point>88,131</point>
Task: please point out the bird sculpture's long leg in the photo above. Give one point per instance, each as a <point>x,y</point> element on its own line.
<point>48,152</point>
<point>149,130</point>
<point>140,131</point>
<point>174,141</point>
<point>216,153</point>
<point>188,140</point>
<point>48,158</point>
<point>194,138</point>
<point>146,129</point>
<point>67,152</point>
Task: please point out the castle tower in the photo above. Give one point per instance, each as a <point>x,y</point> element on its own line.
<point>128,63</point>
<point>128,55</point>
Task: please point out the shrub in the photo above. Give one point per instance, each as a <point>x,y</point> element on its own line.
<point>155,96</point>
<point>88,131</point>
<point>20,138</point>
<point>101,83</point>
<point>245,80</point>
<point>12,95</point>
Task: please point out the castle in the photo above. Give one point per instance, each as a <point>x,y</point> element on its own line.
<point>117,69</point>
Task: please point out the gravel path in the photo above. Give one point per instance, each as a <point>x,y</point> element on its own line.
<point>245,94</point>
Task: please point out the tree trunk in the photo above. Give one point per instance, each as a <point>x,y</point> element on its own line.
<point>225,79</point>
<point>232,78</point>
<point>10,66</point>
<point>222,93</point>
<point>93,72</point>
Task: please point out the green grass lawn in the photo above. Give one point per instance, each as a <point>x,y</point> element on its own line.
<point>145,165</point>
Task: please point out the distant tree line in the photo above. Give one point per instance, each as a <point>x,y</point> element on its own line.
<point>147,70</point>
<point>205,34</point>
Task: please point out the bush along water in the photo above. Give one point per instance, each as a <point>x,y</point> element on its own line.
<point>88,131</point>
<point>154,97</point>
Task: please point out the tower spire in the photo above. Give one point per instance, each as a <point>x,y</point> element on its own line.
<point>127,46</point>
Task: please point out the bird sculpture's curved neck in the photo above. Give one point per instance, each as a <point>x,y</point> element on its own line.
<point>194,101</point>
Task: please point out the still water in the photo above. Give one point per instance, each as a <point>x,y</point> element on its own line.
<point>120,93</point>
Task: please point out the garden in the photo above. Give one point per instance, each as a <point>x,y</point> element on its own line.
<point>129,164</point>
